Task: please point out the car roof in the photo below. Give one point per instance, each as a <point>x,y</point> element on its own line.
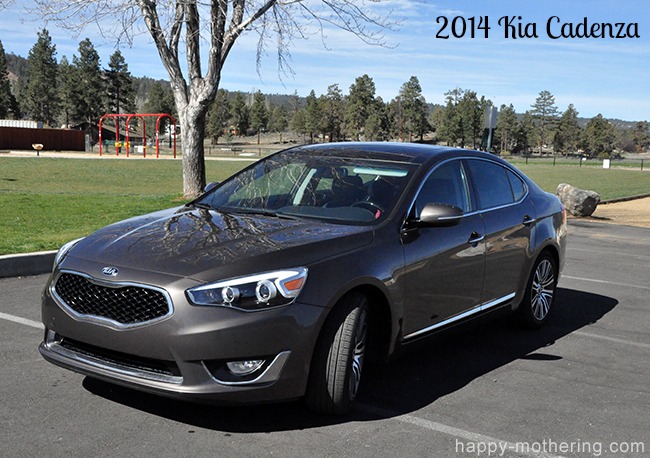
<point>393,151</point>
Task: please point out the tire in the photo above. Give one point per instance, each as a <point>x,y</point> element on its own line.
<point>338,359</point>
<point>540,292</point>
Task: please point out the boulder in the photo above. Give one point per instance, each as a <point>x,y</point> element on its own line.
<point>578,202</point>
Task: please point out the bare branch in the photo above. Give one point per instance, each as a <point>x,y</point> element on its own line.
<point>168,56</point>
<point>237,25</point>
<point>192,40</point>
<point>4,4</point>
<point>175,33</point>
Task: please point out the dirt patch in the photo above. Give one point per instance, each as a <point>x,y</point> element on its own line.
<point>631,213</point>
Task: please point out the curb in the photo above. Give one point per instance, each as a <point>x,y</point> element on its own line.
<point>624,199</point>
<point>15,265</point>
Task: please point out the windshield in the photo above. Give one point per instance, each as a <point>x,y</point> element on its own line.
<point>340,189</point>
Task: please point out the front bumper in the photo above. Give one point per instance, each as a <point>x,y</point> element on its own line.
<point>185,354</point>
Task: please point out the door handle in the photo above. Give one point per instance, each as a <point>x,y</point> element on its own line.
<point>528,220</point>
<point>475,237</point>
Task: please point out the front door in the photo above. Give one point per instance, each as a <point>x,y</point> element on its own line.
<point>444,266</point>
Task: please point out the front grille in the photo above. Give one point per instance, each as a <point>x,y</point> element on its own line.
<point>125,305</point>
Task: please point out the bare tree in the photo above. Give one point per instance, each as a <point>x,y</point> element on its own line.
<point>217,23</point>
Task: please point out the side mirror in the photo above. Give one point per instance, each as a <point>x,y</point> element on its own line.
<point>210,186</point>
<point>438,215</point>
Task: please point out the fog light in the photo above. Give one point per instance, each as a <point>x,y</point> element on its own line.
<point>242,368</point>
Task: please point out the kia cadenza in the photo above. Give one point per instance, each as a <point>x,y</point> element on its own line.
<point>283,280</point>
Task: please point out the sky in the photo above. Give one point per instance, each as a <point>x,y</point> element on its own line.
<point>607,76</point>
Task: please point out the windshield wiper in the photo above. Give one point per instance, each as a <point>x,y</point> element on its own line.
<point>261,212</point>
<point>200,205</point>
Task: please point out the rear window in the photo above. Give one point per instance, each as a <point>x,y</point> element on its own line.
<point>492,183</point>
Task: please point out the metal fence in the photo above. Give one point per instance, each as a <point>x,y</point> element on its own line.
<point>627,163</point>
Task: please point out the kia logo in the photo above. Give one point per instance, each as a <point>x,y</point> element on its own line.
<point>110,271</point>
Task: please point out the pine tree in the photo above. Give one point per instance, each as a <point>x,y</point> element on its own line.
<point>240,113</point>
<point>376,127</point>
<point>218,117</point>
<point>41,99</point>
<point>121,96</point>
<point>333,108</point>
<point>258,114</point>
<point>90,99</point>
<point>506,127</point>
<point>545,113</point>
<point>360,105</point>
<point>7,100</point>
<point>412,109</point>
<point>641,136</point>
<point>568,132</point>
<point>278,119</point>
<point>599,136</point>
<point>67,89</point>
<point>297,123</point>
<point>452,130</point>
<point>313,116</point>
<point>527,134</point>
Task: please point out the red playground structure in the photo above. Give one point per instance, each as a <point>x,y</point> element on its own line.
<point>127,143</point>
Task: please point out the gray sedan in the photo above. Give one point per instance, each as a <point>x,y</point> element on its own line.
<point>285,279</point>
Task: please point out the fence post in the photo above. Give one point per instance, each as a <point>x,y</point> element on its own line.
<point>554,160</point>
<point>642,165</point>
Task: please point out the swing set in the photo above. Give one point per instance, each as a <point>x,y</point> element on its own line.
<point>127,143</point>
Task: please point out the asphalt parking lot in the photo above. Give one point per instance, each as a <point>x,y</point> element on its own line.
<point>577,387</point>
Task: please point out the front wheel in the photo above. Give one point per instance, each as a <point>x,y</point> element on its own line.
<point>338,359</point>
<point>540,292</point>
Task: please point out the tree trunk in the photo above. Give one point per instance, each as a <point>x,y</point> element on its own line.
<point>192,123</point>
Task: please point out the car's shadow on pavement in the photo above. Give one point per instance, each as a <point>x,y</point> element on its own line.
<point>424,373</point>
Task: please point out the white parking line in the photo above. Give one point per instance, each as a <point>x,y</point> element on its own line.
<point>25,321</point>
<point>627,285</point>
<point>611,339</point>
<point>476,438</point>
<point>614,253</point>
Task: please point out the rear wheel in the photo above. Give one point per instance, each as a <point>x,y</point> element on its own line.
<point>338,359</point>
<point>540,292</point>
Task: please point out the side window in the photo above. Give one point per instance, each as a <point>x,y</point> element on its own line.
<point>492,184</point>
<point>518,187</point>
<point>446,185</point>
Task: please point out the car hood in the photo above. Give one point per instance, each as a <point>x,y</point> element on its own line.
<point>207,245</point>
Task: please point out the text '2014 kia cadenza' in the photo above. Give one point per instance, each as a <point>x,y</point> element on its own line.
<point>279,282</point>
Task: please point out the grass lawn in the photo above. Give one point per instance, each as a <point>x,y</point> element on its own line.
<point>609,183</point>
<point>45,202</point>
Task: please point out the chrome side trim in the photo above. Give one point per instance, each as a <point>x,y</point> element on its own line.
<point>479,308</point>
<point>53,346</point>
<point>270,374</point>
<point>108,284</point>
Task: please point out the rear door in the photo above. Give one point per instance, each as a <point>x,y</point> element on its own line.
<point>508,217</point>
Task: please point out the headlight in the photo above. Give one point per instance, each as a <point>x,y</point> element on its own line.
<point>64,250</point>
<point>254,292</point>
